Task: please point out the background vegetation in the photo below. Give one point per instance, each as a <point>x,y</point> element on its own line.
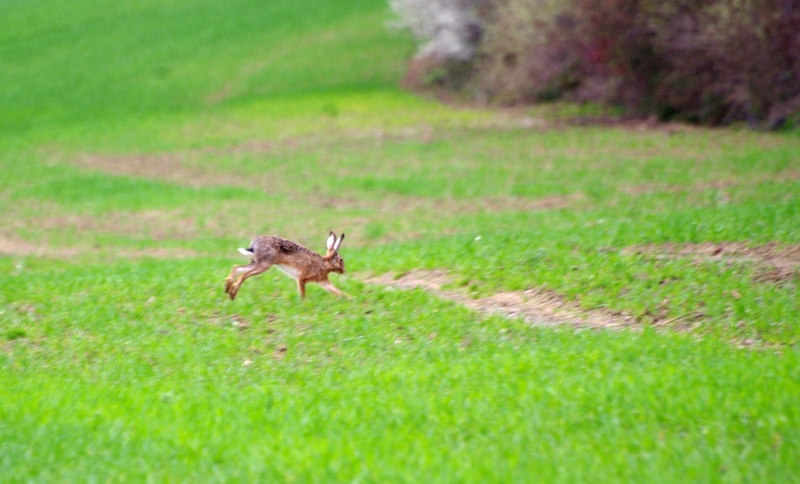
<point>141,143</point>
<point>713,62</point>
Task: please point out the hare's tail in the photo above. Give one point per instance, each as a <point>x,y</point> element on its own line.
<point>247,252</point>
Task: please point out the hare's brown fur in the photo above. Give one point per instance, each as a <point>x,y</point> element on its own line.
<point>302,264</point>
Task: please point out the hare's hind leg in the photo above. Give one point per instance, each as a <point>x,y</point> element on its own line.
<point>232,276</point>
<point>253,269</point>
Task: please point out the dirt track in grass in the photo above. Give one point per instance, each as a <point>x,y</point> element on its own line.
<point>774,262</point>
<point>537,307</point>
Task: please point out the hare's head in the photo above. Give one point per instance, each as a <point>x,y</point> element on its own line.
<point>335,261</point>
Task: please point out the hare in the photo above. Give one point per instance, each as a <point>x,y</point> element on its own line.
<point>302,264</point>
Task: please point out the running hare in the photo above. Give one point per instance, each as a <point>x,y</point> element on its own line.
<point>303,265</point>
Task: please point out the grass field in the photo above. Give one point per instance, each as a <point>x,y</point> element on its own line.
<point>141,143</point>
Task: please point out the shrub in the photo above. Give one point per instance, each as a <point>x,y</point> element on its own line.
<point>712,62</point>
<point>448,32</point>
<point>520,59</point>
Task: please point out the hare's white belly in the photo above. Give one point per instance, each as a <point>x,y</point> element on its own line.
<point>290,271</point>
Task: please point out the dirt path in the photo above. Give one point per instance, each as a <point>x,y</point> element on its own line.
<point>540,308</point>
<point>774,262</point>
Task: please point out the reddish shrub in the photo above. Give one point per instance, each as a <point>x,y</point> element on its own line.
<point>714,62</point>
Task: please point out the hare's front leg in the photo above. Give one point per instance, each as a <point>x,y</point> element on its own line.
<point>301,287</point>
<point>328,286</point>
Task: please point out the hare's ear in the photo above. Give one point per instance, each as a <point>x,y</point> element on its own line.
<point>338,243</point>
<point>331,240</point>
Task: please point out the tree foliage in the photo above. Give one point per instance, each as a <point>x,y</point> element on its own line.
<point>713,62</point>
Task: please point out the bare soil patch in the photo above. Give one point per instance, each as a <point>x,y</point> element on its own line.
<point>10,246</point>
<point>775,262</point>
<point>16,247</point>
<point>172,167</point>
<point>155,224</point>
<point>536,307</point>
<point>722,184</point>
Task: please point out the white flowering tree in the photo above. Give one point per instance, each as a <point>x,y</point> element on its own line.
<point>445,29</point>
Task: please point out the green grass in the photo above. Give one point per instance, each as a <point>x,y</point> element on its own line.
<point>83,63</point>
<point>141,143</point>
<point>149,363</point>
